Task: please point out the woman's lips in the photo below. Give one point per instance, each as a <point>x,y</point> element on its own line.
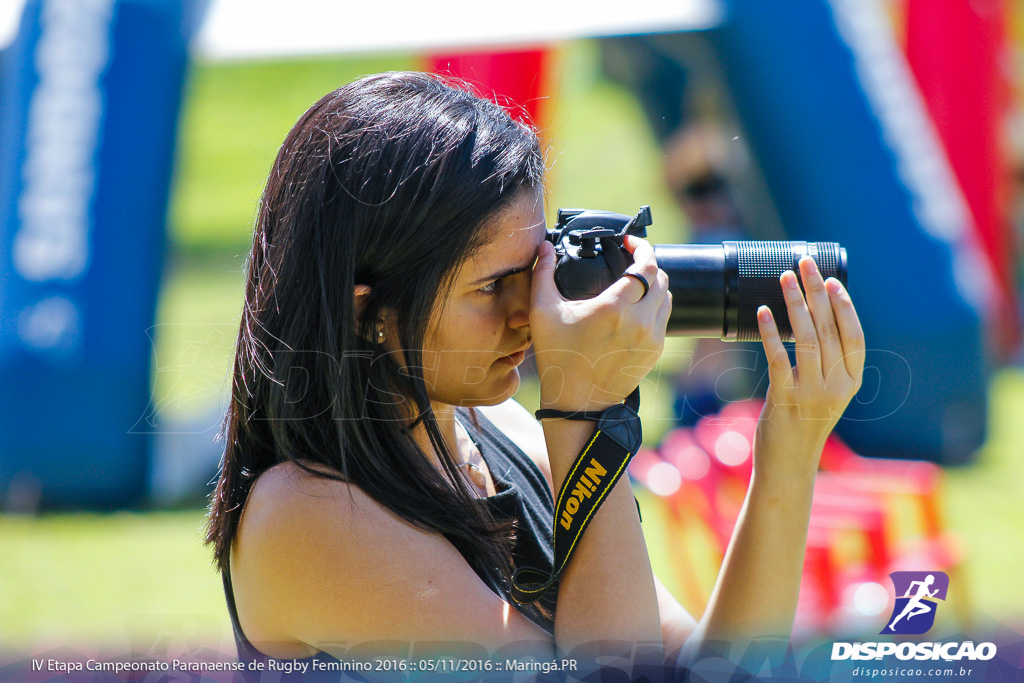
<point>515,358</point>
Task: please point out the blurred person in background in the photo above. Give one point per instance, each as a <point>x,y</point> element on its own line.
<point>708,172</point>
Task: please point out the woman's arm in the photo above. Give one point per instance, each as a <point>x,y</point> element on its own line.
<point>757,588</point>
<point>607,592</point>
<point>519,425</point>
<point>590,355</point>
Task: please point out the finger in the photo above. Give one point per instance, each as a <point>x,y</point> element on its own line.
<point>543,289</point>
<point>850,331</point>
<point>808,356</point>
<point>644,261</point>
<point>628,289</point>
<point>821,314</point>
<point>780,372</point>
<point>664,311</point>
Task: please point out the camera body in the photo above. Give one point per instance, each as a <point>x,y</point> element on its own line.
<point>588,246</point>
<point>716,288</point>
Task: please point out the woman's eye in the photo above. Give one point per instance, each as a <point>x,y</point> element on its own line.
<point>505,283</point>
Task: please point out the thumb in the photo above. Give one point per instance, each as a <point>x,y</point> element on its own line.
<point>543,288</point>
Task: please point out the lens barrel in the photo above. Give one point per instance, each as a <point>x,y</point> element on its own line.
<point>717,288</point>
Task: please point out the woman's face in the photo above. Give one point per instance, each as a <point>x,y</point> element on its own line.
<point>478,336</point>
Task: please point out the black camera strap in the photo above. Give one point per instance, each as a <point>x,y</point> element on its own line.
<point>593,475</point>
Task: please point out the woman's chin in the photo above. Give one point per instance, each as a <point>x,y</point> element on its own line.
<point>502,392</point>
<point>514,381</point>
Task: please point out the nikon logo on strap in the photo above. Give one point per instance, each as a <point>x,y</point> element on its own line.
<point>585,487</point>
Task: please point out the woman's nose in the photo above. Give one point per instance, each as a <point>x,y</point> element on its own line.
<point>519,304</point>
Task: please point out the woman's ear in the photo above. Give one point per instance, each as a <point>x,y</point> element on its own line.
<point>362,294</point>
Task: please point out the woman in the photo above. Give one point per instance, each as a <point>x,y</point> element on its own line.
<point>380,484</point>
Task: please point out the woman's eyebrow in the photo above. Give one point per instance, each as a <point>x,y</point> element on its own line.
<point>506,273</point>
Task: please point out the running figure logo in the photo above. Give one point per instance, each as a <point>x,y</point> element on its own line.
<point>916,592</point>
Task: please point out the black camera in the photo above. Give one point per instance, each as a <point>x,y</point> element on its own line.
<point>716,288</point>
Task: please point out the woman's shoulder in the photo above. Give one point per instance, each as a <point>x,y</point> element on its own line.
<point>288,486</point>
<point>304,545</point>
<point>516,423</point>
<point>298,528</point>
<point>292,501</point>
<point>317,559</point>
<point>296,508</point>
<point>297,477</point>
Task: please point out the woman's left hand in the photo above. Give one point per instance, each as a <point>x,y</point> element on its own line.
<point>805,402</point>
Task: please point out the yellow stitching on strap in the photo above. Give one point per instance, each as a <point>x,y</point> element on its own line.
<point>597,503</point>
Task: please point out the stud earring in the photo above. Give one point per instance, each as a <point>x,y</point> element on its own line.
<point>380,333</point>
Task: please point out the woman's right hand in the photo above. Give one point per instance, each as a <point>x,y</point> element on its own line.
<point>592,353</point>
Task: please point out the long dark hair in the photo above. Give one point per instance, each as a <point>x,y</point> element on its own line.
<point>384,182</point>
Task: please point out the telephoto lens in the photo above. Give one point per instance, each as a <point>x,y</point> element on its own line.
<point>716,288</point>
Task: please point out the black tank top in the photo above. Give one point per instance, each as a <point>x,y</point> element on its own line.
<point>523,497</point>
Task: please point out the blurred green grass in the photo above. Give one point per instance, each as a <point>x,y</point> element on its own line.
<point>984,504</point>
<point>67,578</point>
<point>70,579</point>
<point>234,118</point>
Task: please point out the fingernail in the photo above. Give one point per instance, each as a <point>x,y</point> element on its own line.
<point>813,266</point>
<point>763,314</point>
<point>789,279</point>
<point>833,286</point>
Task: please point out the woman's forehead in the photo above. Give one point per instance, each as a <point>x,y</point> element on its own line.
<point>512,240</point>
